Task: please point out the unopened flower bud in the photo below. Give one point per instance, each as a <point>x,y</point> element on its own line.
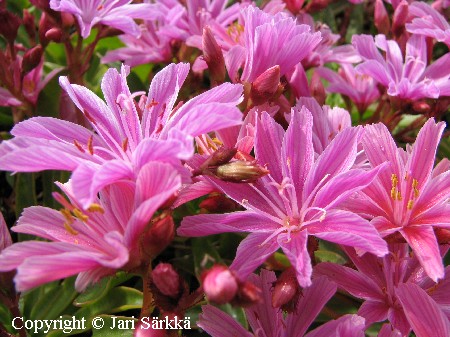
<point>144,330</point>
<point>265,85</point>
<point>248,294</point>
<point>9,25</point>
<point>221,156</point>
<point>166,280</point>
<point>45,24</point>
<point>317,89</point>
<point>212,53</point>
<point>421,107</point>
<point>400,17</point>
<point>218,203</point>
<point>240,171</point>
<point>286,290</point>
<point>41,4</point>
<point>54,34</point>
<point>160,235</point>
<point>220,285</point>
<point>67,20</point>
<point>442,235</point>
<point>30,26</point>
<point>317,5</point>
<point>31,59</point>
<point>294,6</point>
<point>381,17</point>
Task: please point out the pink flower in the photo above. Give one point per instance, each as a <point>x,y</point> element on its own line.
<point>92,243</point>
<point>265,320</point>
<point>428,22</point>
<point>408,77</point>
<point>410,197</point>
<point>117,14</point>
<point>300,197</point>
<point>361,89</point>
<point>324,52</point>
<point>266,40</point>
<point>394,287</point>
<point>126,137</point>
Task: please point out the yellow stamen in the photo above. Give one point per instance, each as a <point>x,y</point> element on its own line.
<point>394,180</point>
<point>80,215</point>
<point>393,193</point>
<point>78,145</point>
<point>70,229</point>
<point>66,213</point>
<point>96,208</point>
<point>399,195</point>
<point>415,183</point>
<point>410,204</point>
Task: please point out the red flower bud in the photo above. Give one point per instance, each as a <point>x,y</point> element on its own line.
<point>294,6</point>
<point>248,294</point>
<point>67,20</point>
<point>220,285</point>
<point>317,89</point>
<point>166,280</point>
<point>54,34</point>
<point>285,290</point>
<point>421,107</point>
<point>30,26</point>
<point>218,203</point>
<point>381,16</point>
<point>9,25</point>
<point>45,24</point>
<point>160,235</point>
<point>32,58</point>
<point>265,85</point>
<point>212,53</point>
<point>400,17</point>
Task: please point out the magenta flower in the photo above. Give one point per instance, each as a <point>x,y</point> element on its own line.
<point>428,22</point>
<point>124,138</point>
<point>300,197</point>
<point>118,14</point>
<point>92,243</point>
<point>324,52</point>
<point>154,44</point>
<point>265,320</point>
<point>409,197</point>
<point>408,77</point>
<point>388,287</point>
<point>361,89</point>
<point>264,41</point>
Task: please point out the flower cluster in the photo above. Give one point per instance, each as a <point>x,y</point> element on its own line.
<point>319,155</point>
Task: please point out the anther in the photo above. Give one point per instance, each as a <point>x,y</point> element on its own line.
<point>80,215</point>
<point>66,213</point>
<point>96,208</point>
<point>410,204</point>
<point>78,146</point>
<point>70,229</point>
<point>90,145</point>
<point>125,144</point>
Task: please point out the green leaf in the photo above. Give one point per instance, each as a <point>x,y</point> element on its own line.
<point>25,196</point>
<point>100,289</point>
<point>237,313</point>
<point>54,303</point>
<point>205,254</point>
<point>328,256</point>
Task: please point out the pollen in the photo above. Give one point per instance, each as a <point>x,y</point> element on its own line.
<point>394,179</point>
<point>399,195</point>
<point>410,204</point>
<point>415,183</point>
<point>96,208</point>
<point>70,229</point>
<point>393,193</point>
